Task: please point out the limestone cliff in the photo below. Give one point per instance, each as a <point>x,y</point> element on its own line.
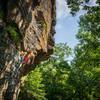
<point>26,26</point>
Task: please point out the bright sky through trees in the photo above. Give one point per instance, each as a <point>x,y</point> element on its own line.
<point>67,25</point>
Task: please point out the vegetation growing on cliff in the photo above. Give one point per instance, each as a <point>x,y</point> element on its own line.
<point>15,37</point>
<point>1,14</point>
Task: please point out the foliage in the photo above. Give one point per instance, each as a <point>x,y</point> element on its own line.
<point>77,5</point>
<point>61,81</point>
<point>54,5</point>
<point>54,76</point>
<point>54,73</point>
<point>1,14</point>
<point>14,36</point>
<point>87,55</point>
<point>33,89</point>
<point>44,26</point>
<point>13,33</point>
<point>89,35</point>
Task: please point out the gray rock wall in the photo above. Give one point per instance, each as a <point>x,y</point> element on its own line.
<point>34,21</point>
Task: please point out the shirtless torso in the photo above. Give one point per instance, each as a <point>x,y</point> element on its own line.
<point>29,58</point>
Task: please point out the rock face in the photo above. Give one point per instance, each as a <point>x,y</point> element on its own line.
<point>26,26</point>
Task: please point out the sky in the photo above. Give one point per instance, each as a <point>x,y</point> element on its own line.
<point>67,26</point>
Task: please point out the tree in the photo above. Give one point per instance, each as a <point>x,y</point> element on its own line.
<point>55,73</point>
<point>49,77</point>
<point>87,56</point>
<point>84,77</point>
<point>33,89</point>
<point>77,5</point>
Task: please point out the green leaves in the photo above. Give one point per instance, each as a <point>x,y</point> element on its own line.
<point>33,88</point>
<point>1,14</point>
<point>13,33</point>
<point>74,6</point>
<point>77,5</point>
<point>87,57</point>
<point>15,36</point>
<point>48,81</point>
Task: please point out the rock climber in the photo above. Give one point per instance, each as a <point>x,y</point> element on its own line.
<point>29,58</point>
